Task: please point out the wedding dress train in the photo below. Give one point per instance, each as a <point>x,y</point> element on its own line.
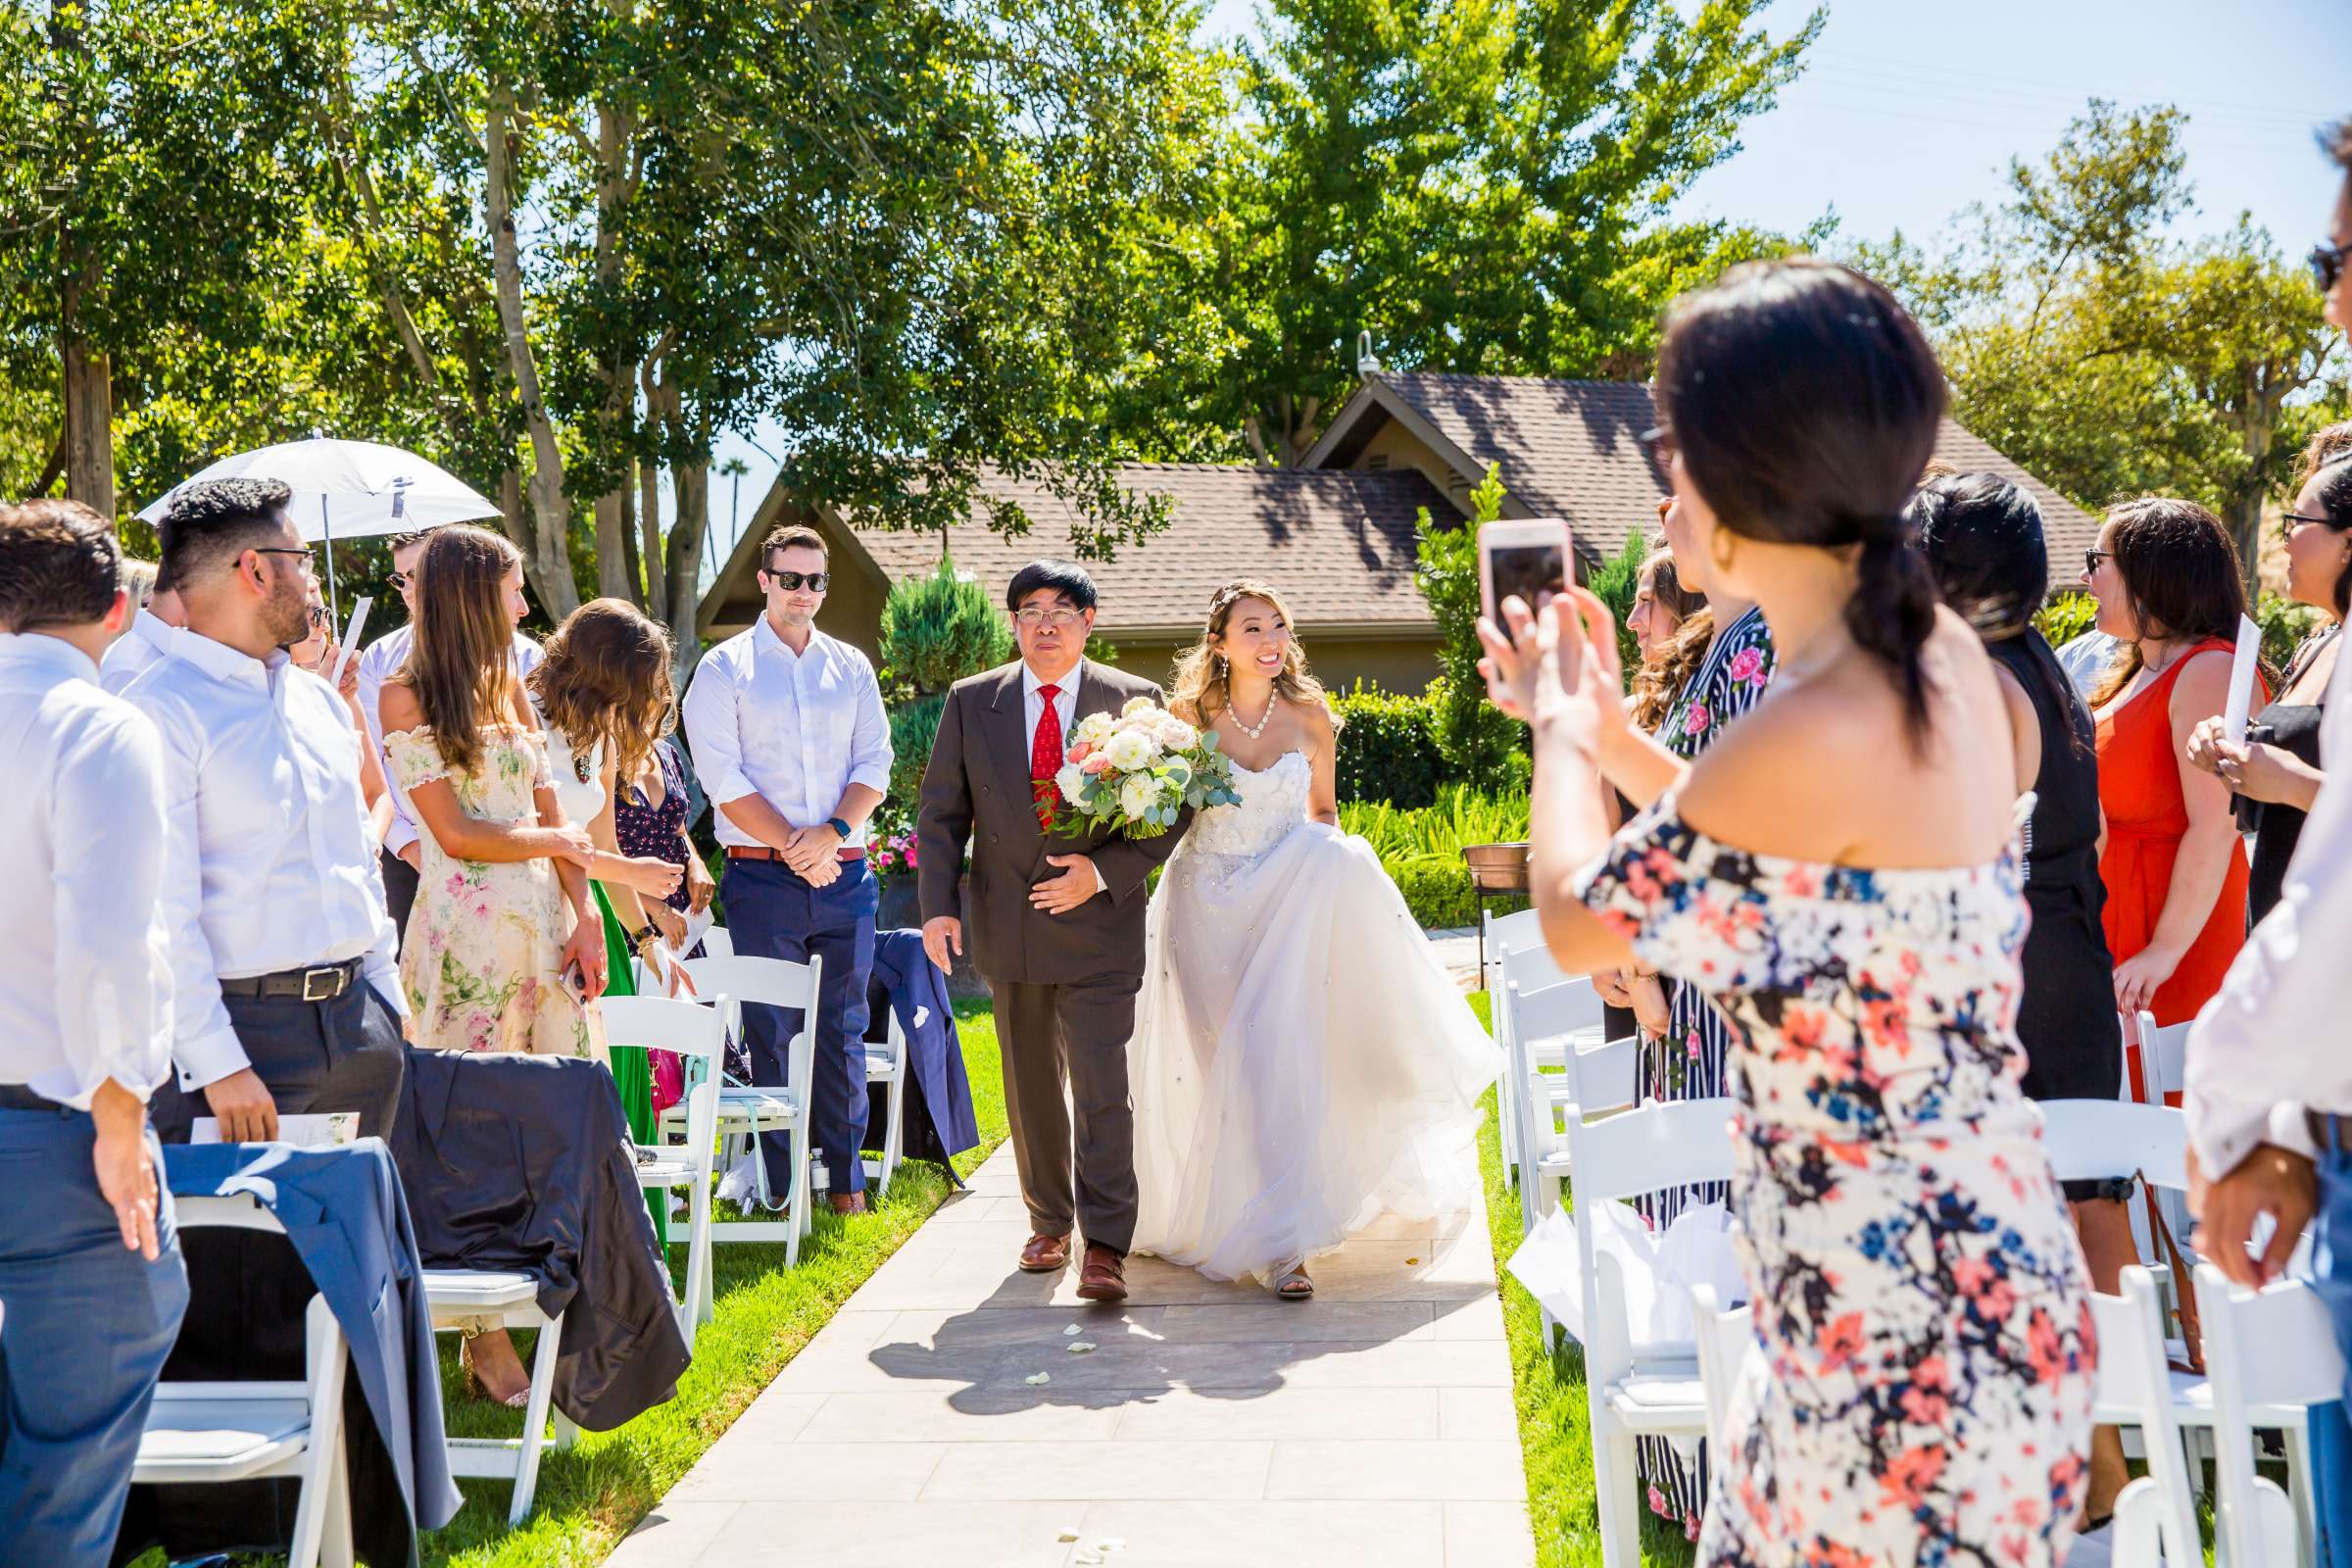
<point>1301,1063</point>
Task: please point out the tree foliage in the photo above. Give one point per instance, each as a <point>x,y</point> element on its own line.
<point>2106,354</point>
<point>1476,740</point>
<point>938,629</point>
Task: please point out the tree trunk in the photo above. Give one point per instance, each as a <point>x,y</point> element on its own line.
<point>649,524</point>
<point>686,535</point>
<point>630,573</point>
<point>546,560</point>
<point>90,392</point>
<point>615,577</point>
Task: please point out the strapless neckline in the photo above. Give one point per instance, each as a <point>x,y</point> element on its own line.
<point>1240,766</point>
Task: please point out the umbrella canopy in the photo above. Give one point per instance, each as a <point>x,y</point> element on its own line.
<point>349,490</point>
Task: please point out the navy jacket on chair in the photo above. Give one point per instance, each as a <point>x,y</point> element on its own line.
<point>939,1105</point>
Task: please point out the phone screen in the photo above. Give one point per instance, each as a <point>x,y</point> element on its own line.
<point>1531,571</point>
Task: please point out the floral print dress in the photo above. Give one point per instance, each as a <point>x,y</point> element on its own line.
<point>481,959</point>
<point>1923,1394</point>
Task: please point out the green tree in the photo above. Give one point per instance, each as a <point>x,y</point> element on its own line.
<point>938,629</point>
<point>2106,354</point>
<point>1476,739</point>
<point>1483,185</point>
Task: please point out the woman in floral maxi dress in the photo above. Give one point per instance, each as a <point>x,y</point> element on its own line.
<point>1841,875</point>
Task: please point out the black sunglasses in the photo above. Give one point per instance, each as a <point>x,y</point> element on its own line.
<point>2092,557</point>
<point>401,581</point>
<point>2327,264</point>
<point>817,581</point>
<point>317,614</point>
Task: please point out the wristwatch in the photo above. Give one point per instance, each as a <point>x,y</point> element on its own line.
<point>839,827</point>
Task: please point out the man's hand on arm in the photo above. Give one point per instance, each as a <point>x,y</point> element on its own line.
<point>246,1112</point>
<point>127,1175</point>
<point>2270,1180</point>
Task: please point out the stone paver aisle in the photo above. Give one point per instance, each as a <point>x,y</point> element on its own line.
<point>1212,1425</point>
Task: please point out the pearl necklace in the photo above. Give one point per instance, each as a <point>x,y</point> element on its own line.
<point>1253,731</point>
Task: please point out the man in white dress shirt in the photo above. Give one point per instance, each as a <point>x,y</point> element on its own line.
<point>793,747</point>
<point>147,638</point>
<point>401,857</point>
<point>288,997</point>
<point>2270,1081</point>
<point>90,1271</point>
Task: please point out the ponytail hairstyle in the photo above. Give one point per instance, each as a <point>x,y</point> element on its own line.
<point>2179,567</point>
<point>461,661</point>
<point>1981,537</point>
<point>1805,402</point>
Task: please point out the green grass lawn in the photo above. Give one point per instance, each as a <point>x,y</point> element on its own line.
<point>593,1495</point>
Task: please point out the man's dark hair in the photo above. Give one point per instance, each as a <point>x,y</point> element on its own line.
<point>60,565</point>
<point>397,542</point>
<point>1065,577</point>
<point>2336,141</point>
<point>216,520</point>
<point>1982,539</point>
<point>792,536</point>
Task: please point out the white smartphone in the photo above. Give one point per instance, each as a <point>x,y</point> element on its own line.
<point>1525,556</point>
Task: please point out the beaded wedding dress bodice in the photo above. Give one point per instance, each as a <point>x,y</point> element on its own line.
<point>1273,803</point>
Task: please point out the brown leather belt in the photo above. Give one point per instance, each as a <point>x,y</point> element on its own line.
<point>760,852</point>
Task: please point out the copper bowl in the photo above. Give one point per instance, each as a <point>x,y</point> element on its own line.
<point>1496,867</point>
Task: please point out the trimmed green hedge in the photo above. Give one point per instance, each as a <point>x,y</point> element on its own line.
<point>1388,748</point>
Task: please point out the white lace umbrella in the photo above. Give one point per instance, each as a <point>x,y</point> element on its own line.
<point>349,490</point>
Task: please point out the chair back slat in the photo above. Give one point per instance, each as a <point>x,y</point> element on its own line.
<point>2273,1346</point>
<point>1562,1006</point>
<point>1532,968</point>
<point>2135,1388</point>
<point>770,982</point>
<point>2096,1140</point>
<point>1602,1077</point>
<point>1725,1335</point>
<point>1671,1144</point>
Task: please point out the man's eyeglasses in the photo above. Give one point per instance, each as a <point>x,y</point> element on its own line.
<point>2327,264</point>
<point>790,581</point>
<point>2091,559</point>
<point>310,567</point>
<point>1033,618</point>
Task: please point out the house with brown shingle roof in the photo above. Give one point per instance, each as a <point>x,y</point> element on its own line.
<point>1335,533</point>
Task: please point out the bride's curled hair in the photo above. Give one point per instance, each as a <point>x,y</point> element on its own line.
<point>1201,688</point>
<point>1805,402</point>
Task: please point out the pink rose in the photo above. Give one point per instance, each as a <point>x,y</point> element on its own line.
<point>1099,762</point>
<point>1748,664</point>
<point>1695,722</point>
<point>1079,752</point>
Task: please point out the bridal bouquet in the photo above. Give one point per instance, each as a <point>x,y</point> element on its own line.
<point>1134,773</point>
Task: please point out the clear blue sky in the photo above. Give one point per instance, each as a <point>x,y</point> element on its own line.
<point>1909,110</point>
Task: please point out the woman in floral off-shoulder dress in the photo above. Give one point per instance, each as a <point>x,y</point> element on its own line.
<point>1839,874</point>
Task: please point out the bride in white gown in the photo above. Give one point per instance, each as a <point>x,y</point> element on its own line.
<point>1301,1063</point>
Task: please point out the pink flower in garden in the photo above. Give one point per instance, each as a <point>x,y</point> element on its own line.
<point>1696,721</point>
<point>1747,665</point>
<point>907,847</point>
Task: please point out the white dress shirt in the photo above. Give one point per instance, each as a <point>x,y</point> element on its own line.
<point>145,640</point>
<point>794,729</point>
<point>380,660</point>
<point>86,992</point>
<point>269,866</point>
<point>2271,1041</point>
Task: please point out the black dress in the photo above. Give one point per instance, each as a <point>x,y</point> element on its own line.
<point>2066,1018</point>
<point>2294,727</point>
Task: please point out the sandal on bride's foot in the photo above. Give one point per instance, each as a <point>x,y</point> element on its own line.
<point>1296,1285</point>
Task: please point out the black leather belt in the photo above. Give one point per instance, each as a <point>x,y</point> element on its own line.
<point>2328,1131</point>
<point>17,1097</point>
<point>323,982</point>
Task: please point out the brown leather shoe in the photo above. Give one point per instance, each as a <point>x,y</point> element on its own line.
<point>1103,1277</point>
<point>847,1203</point>
<point>1045,1255</point>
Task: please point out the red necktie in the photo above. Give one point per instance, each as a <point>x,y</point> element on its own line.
<point>1045,758</point>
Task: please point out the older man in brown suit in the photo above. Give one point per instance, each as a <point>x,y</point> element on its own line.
<point>1056,922</point>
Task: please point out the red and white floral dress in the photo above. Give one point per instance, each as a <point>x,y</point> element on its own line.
<point>1920,1392</point>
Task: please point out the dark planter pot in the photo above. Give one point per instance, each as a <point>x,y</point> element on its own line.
<point>900,908</point>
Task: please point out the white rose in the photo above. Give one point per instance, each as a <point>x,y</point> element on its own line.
<point>1129,749</point>
<point>1176,735</point>
<point>1069,781</point>
<point>1138,704</point>
<point>1095,728</point>
<point>1137,796</point>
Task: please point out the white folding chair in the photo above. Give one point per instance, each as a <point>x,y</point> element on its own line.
<point>718,943</point>
<point>1657,1394</point>
<point>698,1034</point>
<point>461,1299</point>
<point>1558,1027</point>
<point>211,1432</point>
<point>886,1065</point>
<point>1725,1337</point>
<point>1508,938</point>
<point>747,1111</point>
<point>2163,1056</point>
<point>2155,1514</point>
<point>2268,1350</point>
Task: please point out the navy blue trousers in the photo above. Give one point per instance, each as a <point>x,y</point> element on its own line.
<point>88,1325</point>
<point>773,914</point>
<point>2330,1435</point>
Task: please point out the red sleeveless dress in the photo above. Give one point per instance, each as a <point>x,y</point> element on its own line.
<point>2139,789</point>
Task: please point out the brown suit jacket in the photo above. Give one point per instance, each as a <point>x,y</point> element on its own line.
<point>976,789</point>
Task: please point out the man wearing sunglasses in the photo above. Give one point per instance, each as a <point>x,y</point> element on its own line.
<point>790,738</point>
<point>398,861</point>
